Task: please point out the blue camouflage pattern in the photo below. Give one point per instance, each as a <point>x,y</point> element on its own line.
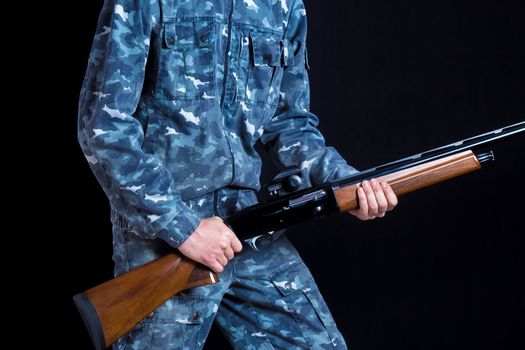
<point>265,299</point>
<point>175,97</point>
<point>177,93</point>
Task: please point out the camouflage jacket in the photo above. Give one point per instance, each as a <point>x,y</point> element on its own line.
<point>176,94</point>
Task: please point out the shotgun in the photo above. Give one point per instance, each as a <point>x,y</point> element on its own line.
<point>113,308</point>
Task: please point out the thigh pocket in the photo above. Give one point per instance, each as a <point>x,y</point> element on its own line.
<point>186,62</point>
<point>302,299</point>
<point>176,324</point>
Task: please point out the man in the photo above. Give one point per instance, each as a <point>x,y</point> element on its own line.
<point>175,96</point>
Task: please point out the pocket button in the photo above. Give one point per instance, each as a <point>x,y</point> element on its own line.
<point>267,56</point>
<point>204,38</point>
<point>195,315</point>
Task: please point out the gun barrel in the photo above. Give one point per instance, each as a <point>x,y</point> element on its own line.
<point>474,144</point>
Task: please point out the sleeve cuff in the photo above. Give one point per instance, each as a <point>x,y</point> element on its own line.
<point>180,228</point>
<point>341,172</point>
<point>329,166</point>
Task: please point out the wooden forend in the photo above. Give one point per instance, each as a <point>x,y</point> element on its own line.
<point>414,178</point>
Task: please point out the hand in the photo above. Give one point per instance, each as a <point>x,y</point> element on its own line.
<point>212,244</point>
<point>375,199</point>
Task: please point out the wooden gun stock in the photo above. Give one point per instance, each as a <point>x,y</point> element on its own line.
<point>414,178</point>
<point>112,309</point>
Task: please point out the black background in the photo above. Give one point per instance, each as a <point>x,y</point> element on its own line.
<point>445,270</point>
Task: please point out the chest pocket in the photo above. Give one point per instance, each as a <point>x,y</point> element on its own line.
<point>268,57</point>
<point>186,61</point>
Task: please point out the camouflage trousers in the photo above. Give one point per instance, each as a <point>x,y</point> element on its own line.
<point>266,299</point>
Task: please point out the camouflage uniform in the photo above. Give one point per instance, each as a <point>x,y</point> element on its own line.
<point>175,96</point>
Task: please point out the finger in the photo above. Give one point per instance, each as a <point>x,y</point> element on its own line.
<point>216,267</point>
<point>363,203</point>
<point>382,203</point>
<point>390,195</point>
<point>357,213</point>
<point>221,258</point>
<point>228,253</point>
<point>213,264</point>
<point>362,211</point>
<point>236,245</point>
<point>371,200</point>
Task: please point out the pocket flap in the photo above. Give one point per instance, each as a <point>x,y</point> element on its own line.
<point>170,39</point>
<point>291,278</point>
<point>183,309</point>
<point>266,49</point>
<point>204,33</point>
<point>195,33</point>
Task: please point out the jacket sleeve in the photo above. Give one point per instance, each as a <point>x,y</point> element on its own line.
<point>138,186</point>
<point>291,137</point>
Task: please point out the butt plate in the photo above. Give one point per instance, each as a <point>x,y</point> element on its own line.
<point>91,320</point>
